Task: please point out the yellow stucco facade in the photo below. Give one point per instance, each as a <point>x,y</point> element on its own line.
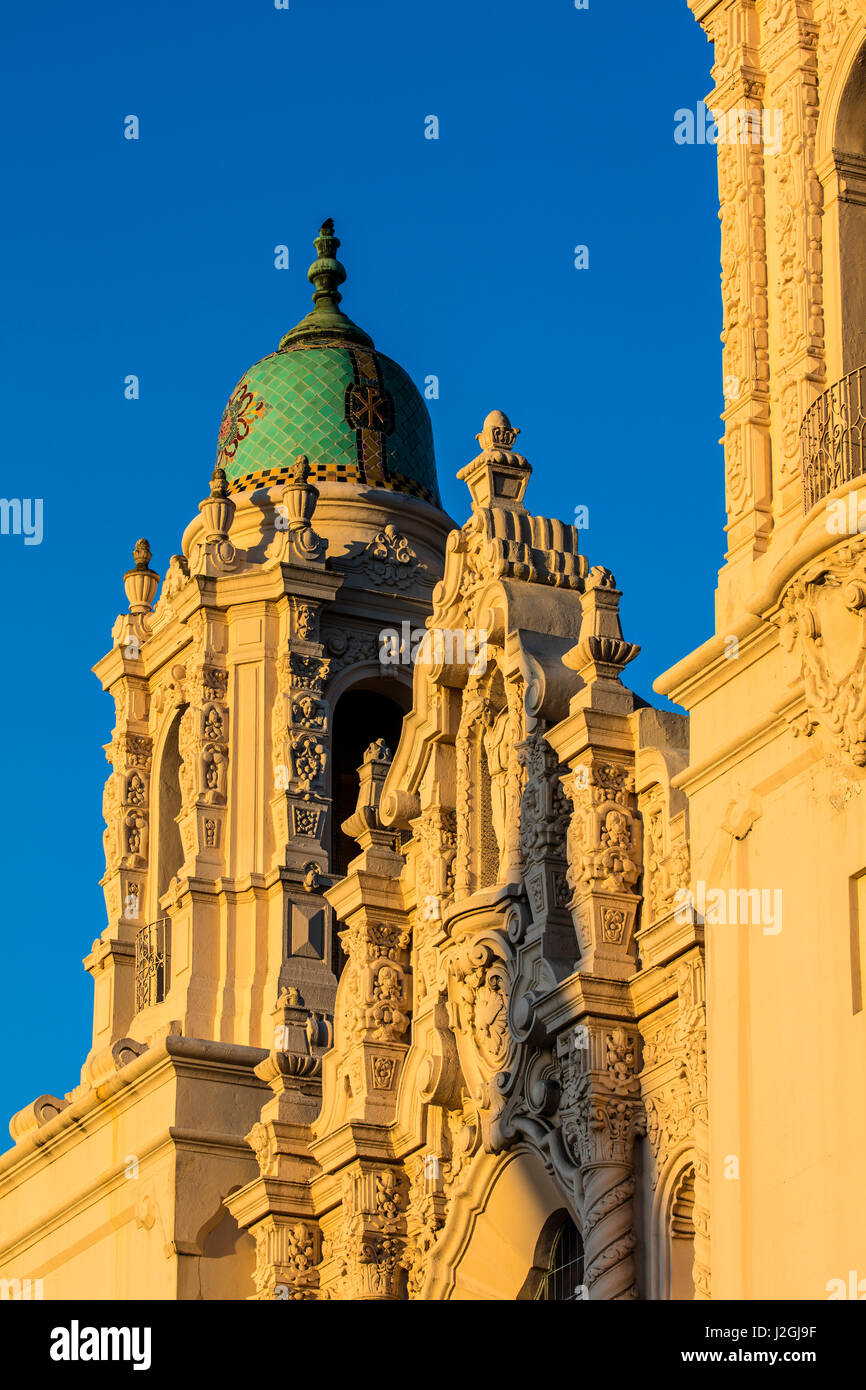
<point>438,965</point>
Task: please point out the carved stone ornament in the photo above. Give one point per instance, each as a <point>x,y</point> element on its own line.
<point>388,559</point>
<point>479,990</point>
<point>822,622</point>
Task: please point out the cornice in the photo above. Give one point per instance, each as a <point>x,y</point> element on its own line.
<point>216,1061</point>
<point>581,995</point>
<point>695,777</point>
<point>707,668</point>
<point>352,1140</point>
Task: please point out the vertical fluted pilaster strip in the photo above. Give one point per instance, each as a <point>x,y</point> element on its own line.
<point>701,1215</point>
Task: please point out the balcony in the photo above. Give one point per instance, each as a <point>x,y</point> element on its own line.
<point>151,963</point>
<point>831,438</point>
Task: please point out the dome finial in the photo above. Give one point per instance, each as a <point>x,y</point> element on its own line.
<point>326,274</point>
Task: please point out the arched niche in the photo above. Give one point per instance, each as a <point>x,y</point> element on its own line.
<point>483,747</point>
<point>674,1231</point>
<point>681,1237</point>
<point>228,1258</point>
<point>168,856</point>
<point>498,1225</point>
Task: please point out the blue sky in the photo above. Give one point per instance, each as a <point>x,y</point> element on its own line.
<point>156,257</point>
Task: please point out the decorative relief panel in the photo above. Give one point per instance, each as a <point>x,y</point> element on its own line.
<point>822,623</point>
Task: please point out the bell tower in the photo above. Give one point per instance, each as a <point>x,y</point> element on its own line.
<point>240,691</point>
<point>777,696</point>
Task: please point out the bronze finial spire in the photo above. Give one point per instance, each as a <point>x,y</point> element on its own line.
<point>326,272</point>
<point>327,319</point>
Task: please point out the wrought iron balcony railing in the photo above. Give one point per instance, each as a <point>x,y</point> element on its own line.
<point>151,963</point>
<point>833,436</point>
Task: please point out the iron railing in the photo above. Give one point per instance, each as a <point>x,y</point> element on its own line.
<point>833,436</point>
<point>151,963</point>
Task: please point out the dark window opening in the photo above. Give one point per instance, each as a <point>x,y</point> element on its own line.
<point>562,1281</point>
<point>361,717</point>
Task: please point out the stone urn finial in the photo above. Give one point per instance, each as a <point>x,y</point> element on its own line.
<point>497,432</point>
<point>602,653</point>
<point>295,539</point>
<point>299,495</point>
<point>141,583</point>
<point>497,477</point>
<point>141,554</point>
<point>217,510</point>
<point>219,483</point>
<point>300,470</point>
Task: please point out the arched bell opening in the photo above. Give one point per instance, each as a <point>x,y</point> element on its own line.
<point>374,708</point>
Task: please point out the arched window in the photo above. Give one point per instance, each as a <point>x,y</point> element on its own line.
<point>849,154</point>
<point>558,1273</point>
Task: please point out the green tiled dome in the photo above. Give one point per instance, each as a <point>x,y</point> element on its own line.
<point>327,393</point>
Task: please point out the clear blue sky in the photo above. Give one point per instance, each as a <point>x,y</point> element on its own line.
<point>156,257</point>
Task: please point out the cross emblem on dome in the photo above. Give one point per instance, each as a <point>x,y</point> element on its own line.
<point>369,407</point>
